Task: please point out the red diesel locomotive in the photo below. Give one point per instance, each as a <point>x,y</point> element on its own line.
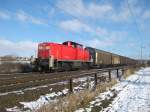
<point>68,55</point>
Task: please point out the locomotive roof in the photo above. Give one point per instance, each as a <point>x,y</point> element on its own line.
<point>73,43</point>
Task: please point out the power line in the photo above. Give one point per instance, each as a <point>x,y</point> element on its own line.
<point>137,26</point>
<point>133,15</point>
<point>80,19</point>
<point>57,7</point>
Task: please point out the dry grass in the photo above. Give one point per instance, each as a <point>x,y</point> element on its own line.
<point>130,71</point>
<point>13,67</point>
<point>74,101</point>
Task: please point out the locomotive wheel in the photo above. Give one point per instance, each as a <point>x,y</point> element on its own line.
<point>39,69</point>
<point>85,66</point>
<point>67,66</point>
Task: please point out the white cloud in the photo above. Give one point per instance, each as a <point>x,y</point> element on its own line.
<point>102,37</point>
<point>51,12</point>
<point>106,11</point>
<point>22,48</point>
<point>25,17</point>
<point>74,26</point>
<point>4,15</point>
<point>22,16</point>
<point>139,10</point>
<point>100,43</point>
<point>78,8</point>
<point>123,15</point>
<point>101,31</point>
<point>105,38</point>
<point>146,14</point>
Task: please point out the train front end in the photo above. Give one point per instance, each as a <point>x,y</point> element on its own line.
<point>44,60</point>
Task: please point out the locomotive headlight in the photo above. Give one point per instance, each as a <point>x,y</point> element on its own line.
<point>40,47</point>
<point>47,47</point>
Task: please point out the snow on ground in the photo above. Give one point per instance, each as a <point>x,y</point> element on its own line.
<point>21,91</point>
<point>51,97</point>
<point>48,98</point>
<point>14,109</point>
<point>83,82</point>
<point>133,95</point>
<point>44,99</point>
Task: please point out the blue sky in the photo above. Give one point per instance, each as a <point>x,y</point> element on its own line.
<point>105,24</point>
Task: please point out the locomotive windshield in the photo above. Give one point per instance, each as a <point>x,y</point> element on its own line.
<point>73,44</point>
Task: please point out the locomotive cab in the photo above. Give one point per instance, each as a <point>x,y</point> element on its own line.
<point>73,44</point>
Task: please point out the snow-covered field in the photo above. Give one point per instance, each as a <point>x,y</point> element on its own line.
<point>133,95</point>
<point>51,97</point>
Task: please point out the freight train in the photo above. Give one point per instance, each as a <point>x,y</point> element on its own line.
<point>71,55</point>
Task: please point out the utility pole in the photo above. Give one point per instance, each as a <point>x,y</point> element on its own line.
<point>141,53</point>
<point>0,61</point>
<point>35,54</point>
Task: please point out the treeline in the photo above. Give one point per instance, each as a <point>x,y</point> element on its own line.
<point>13,64</point>
<point>13,58</point>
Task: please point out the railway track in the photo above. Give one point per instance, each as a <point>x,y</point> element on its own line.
<point>23,81</point>
<point>36,79</point>
<point>18,87</point>
<point>20,75</point>
<point>29,87</point>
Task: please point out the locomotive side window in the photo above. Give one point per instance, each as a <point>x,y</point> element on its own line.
<point>68,44</point>
<point>65,43</point>
<point>40,47</point>
<point>73,44</point>
<point>79,46</point>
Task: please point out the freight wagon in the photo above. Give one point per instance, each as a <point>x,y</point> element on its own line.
<point>100,58</point>
<point>123,60</point>
<point>106,59</point>
<point>115,59</point>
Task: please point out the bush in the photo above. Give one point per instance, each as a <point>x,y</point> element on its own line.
<point>14,67</point>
